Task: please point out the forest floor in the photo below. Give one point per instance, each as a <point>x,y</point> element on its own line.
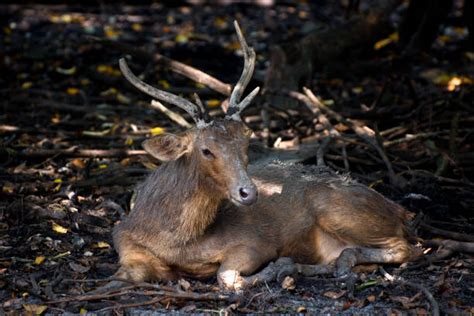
<point>70,154</point>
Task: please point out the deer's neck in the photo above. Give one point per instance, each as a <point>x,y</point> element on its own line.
<point>184,202</point>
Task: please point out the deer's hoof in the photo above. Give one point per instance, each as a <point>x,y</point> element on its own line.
<point>232,281</point>
<point>285,267</point>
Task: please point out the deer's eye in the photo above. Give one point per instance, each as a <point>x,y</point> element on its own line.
<point>207,153</point>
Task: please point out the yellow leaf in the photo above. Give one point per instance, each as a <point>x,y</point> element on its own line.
<point>110,32</point>
<point>66,71</point>
<point>233,46</point>
<point>85,82</point>
<point>213,103</point>
<point>328,102</point>
<point>357,90</point>
<point>34,309</point>
<point>220,22</point>
<point>103,166</point>
<point>384,42</point>
<point>373,184</point>
<point>57,188</point>
<point>137,27</point>
<point>123,99</point>
<point>125,161</point>
<point>165,84</point>
<point>72,91</point>
<point>58,181</point>
<point>56,118</point>
<point>157,131</point>
<point>453,83</point>
<point>199,85</point>
<point>59,229</point>
<point>301,309</point>
<point>66,18</point>
<point>109,92</point>
<point>8,188</point>
<point>102,244</point>
<point>128,141</point>
<point>39,260</point>
<point>109,70</point>
<point>444,38</point>
<point>27,85</point>
<point>181,38</point>
<point>102,68</point>
<point>82,311</point>
<point>78,163</point>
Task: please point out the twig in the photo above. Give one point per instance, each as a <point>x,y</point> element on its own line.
<point>75,152</point>
<point>362,131</point>
<point>454,245</point>
<point>419,287</point>
<point>130,305</point>
<point>175,117</point>
<point>130,290</point>
<point>446,233</point>
<point>333,133</point>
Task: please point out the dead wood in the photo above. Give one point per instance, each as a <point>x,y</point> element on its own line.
<point>364,132</point>
<point>75,152</point>
<point>446,233</point>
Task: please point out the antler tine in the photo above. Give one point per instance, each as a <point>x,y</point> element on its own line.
<point>235,108</point>
<point>191,108</point>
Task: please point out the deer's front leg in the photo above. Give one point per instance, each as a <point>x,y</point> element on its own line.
<point>241,261</point>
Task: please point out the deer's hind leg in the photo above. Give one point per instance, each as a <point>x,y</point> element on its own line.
<point>398,252</point>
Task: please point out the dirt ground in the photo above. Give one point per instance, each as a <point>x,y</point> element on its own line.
<point>70,155</point>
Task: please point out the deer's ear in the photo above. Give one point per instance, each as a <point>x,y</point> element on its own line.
<point>167,147</point>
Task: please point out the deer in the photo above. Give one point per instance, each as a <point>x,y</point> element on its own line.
<point>206,211</point>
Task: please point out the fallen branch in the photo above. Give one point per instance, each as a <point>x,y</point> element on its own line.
<point>363,132</point>
<point>453,245</point>
<point>447,233</point>
<point>157,291</point>
<point>333,133</point>
<point>419,287</point>
<point>75,152</point>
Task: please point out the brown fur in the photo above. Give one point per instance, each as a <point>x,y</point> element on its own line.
<point>184,223</point>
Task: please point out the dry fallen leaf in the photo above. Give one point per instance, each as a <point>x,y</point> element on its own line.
<point>157,131</point>
<point>335,295</point>
<point>101,244</point>
<point>33,309</point>
<point>288,283</point>
<point>59,229</point>
<point>78,268</point>
<point>39,260</point>
<point>185,285</point>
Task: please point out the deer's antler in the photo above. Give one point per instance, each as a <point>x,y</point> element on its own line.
<point>197,112</point>
<point>235,105</point>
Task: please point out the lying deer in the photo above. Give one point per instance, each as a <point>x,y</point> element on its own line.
<point>205,211</point>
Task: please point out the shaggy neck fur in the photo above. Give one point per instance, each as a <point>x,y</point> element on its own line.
<point>179,200</point>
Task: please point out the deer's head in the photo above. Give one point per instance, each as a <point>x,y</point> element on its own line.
<point>217,147</point>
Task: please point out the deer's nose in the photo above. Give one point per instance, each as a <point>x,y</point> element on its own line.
<point>248,195</point>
